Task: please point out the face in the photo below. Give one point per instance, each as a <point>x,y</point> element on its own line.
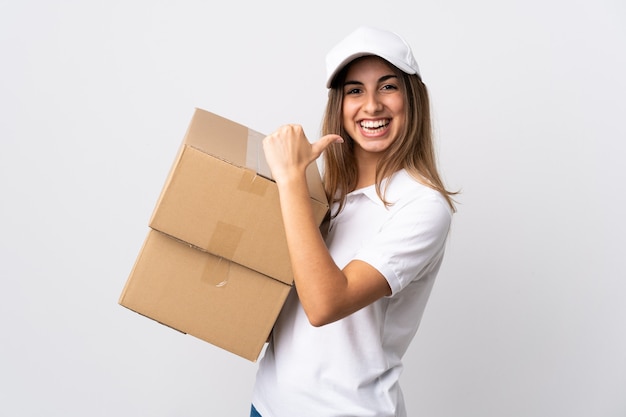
<point>373,106</point>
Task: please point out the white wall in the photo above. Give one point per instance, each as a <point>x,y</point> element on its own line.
<point>528,316</point>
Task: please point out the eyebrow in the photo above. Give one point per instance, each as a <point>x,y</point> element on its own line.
<point>380,80</point>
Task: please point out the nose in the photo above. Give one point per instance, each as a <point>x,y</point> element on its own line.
<point>372,103</point>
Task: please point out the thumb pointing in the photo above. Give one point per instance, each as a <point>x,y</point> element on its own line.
<point>324,142</point>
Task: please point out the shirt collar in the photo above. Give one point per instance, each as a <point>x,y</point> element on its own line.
<point>394,191</point>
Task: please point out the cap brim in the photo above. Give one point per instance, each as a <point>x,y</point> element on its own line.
<point>400,65</point>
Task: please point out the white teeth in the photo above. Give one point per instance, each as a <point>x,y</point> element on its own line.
<point>373,124</point>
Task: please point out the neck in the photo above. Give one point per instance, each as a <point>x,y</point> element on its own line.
<point>366,166</point>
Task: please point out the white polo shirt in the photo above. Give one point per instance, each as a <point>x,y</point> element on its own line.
<point>351,368</point>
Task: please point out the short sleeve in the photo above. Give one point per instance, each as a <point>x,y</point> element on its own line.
<point>411,242</point>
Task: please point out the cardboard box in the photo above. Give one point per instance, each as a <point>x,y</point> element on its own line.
<point>215,263</point>
<point>219,197</point>
<point>209,297</point>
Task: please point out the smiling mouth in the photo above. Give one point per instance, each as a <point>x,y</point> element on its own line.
<point>373,126</point>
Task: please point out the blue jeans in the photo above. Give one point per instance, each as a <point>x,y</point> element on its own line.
<point>253,412</point>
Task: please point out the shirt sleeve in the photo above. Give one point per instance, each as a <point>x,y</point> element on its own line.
<point>411,242</point>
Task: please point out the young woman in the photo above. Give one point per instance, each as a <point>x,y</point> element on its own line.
<point>360,291</point>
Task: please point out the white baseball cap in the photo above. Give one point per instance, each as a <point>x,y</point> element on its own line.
<point>370,41</point>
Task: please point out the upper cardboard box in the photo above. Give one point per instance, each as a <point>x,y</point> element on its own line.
<point>220,198</point>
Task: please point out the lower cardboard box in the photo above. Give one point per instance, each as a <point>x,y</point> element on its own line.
<point>203,295</point>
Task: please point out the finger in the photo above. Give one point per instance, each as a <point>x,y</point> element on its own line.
<point>324,142</point>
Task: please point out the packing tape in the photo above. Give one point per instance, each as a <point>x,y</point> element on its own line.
<point>224,242</point>
<point>216,272</point>
<point>255,156</point>
<point>225,239</point>
<point>252,183</point>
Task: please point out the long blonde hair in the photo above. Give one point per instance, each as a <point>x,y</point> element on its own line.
<point>413,150</point>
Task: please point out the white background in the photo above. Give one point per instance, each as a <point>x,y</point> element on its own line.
<point>528,316</point>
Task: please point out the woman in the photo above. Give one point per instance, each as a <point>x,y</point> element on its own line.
<point>360,291</point>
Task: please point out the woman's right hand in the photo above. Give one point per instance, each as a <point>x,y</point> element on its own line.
<point>288,151</point>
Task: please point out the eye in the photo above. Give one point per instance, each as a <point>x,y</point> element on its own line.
<point>389,87</point>
<point>350,91</point>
